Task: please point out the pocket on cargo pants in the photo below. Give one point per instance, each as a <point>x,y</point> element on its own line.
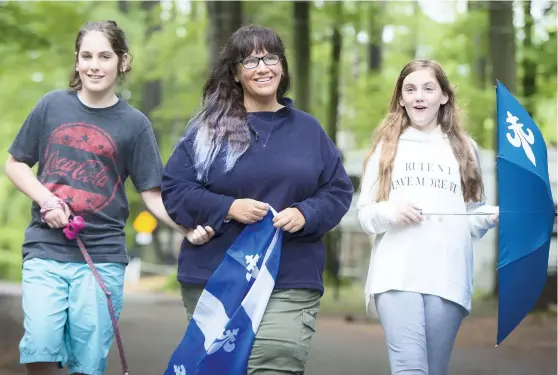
<point>284,338</point>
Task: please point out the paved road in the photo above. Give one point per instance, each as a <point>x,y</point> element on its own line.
<point>151,328</point>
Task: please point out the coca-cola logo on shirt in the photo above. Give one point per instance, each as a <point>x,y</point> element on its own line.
<point>80,166</point>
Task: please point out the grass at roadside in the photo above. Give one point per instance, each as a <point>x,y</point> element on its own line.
<point>350,301</point>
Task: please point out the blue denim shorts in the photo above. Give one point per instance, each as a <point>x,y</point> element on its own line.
<point>66,317</point>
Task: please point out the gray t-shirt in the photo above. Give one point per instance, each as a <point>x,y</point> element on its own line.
<point>84,156</point>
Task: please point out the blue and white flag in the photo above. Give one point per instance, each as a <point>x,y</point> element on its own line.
<point>220,334</point>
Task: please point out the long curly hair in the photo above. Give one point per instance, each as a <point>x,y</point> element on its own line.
<point>222,124</point>
<point>397,120</point>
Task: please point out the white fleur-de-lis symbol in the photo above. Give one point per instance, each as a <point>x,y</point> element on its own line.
<point>520,138</point>
<point>226,341</point>
<point>179,370</point>
<point>251,266</point>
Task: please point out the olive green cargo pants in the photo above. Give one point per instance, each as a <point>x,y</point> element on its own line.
<point>285,334</point>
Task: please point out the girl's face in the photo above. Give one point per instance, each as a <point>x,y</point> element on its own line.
<point>422,96</point>
<point>260,78</point>
<point>97,63</point>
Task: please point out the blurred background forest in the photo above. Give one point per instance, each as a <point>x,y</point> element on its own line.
<point>344,58</point>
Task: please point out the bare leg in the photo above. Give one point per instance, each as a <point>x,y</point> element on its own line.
<point>43,368</point>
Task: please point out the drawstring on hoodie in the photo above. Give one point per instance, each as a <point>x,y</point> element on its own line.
<point>272,127</point>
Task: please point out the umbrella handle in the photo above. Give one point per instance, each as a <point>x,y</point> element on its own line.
<point>468,213</point>
<point>453,213</point>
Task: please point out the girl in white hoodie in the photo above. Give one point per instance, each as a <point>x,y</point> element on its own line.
<point>422,197</point>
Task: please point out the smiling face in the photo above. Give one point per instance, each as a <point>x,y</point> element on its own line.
<point>422,96</point>
<point>97,63</point>
<point>260,82</point>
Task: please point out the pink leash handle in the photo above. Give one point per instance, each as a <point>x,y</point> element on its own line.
<point>71,231</point>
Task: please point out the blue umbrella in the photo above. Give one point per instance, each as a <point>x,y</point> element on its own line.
<point>526,212</point>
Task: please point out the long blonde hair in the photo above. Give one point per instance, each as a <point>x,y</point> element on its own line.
<point>397,120</point>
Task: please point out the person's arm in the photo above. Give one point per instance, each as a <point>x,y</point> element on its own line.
<point>479,225</point>
<point>186,200</point>
<point>324,210</point>
<point>374,217</point>
<point>154,203</point>
<point>145,169</point>
<point>23,155</point>
<point>22,177</point>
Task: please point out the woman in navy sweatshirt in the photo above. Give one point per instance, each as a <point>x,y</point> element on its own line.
<point>246,150</point>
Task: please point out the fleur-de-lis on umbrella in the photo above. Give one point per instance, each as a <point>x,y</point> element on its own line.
<point>520,138</point>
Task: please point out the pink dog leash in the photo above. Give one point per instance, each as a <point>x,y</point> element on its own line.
<point>71,231</point>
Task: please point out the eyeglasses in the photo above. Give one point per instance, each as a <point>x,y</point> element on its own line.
<point>251,62</point>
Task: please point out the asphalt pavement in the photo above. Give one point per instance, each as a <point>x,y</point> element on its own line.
<point>152,325</point>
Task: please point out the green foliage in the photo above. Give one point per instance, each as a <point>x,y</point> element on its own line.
<point>10,260</point>
<point>37,49</point>
<point>171,284</point>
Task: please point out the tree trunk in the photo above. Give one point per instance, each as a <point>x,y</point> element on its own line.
<point>123,6</point>
<point>225,17</point>
<point>502,56</point>
<point>478,13</point>
<point>375,30</point>
<point>529,63</point>
<point>480,55</point>
<point>502,44</point>
<point>333,238</point>
<point>301,13</point>
<point>415,30</point>
<point>151,90</point>
<point>150,99</point>
<point>334,73</point>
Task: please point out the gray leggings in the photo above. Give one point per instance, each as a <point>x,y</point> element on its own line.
<point>420,331</point>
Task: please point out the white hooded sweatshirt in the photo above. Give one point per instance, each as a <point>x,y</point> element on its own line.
<point>435,256</point>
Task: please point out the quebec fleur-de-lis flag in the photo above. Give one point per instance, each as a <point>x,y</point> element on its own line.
<point>527,212</point>
<point>220,336</point>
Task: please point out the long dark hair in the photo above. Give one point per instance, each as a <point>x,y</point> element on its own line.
<point>223,116</point>
<point>117,39</point>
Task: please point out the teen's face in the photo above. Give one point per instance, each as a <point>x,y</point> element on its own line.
<point>422,96</point>
<point>97,63</point>
<point>261,81</point>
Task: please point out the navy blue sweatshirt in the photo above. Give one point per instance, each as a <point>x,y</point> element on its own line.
<point>291,162</point>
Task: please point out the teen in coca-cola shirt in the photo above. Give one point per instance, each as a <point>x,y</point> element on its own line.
<point>86,142</point>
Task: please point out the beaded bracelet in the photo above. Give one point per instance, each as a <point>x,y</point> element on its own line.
<point>50,204</point>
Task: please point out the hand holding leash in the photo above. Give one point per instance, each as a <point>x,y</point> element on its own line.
<point>55,212</point>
